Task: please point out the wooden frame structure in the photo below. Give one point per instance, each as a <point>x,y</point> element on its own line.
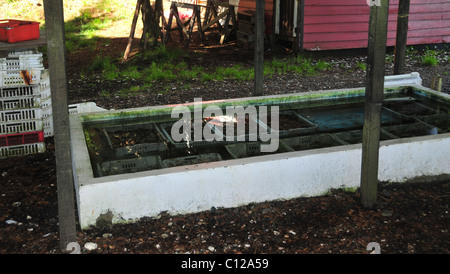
<point>156,25</point>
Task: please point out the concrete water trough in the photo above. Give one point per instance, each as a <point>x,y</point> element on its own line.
<point>127,167</point>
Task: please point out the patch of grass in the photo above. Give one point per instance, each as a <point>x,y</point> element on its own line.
<point>235,72</point>
<point>81,32</point>
<point>362,66</point>
<point>162,54</point>
<point>206,77</point>
<point>155,72</point>
<point>190,74</point>
<point>390,58</point>
<point>299,65</point>
<point>131,72</point>
<point>105,93</point>
<point>430,58</point>
<point>101,64</point>
<point>106,67</point>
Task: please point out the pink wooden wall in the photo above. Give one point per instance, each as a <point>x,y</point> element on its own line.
<point>332,24</point>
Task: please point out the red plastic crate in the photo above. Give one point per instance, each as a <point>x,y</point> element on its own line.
<point>13,31</point>
<point>21,138</point>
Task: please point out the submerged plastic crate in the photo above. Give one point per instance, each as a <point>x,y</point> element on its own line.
<point>410,108</point>
<point>129,165</point>
<point>192,160</point>
<point>312,142</point>
<point>339,118</point>
<point>22,150</point>
<point>21,138</point>
<point>13,31</point>
<point>303,126</point>
<point>413,130</point>
<point>356,136</point>
<point>125,139</point>
<point>242,150</point>
<point>166,128</point>
<point>248,134</point>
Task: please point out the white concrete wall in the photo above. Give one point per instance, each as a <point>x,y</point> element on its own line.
<point>233,183</point>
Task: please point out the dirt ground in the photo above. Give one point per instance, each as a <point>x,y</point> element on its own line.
<point>407,219</point>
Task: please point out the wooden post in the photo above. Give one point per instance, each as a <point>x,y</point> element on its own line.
<point>298,41</point>
<point>402,35</point>
<point>373,100</point>
<point>259,48</point>
<point>436,83</point>
<point>54,24</point>
<point>133,29</point>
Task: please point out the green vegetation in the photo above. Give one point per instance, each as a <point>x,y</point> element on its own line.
<point>81,32</point>
<point>301,65</point>
<point>362,66</point>
<point>167,64</point>
<point>430,57</point>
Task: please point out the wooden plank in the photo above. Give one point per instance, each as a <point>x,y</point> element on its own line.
<point>373,100</point>
<point>246,27</point>
<point>42,41</point>
<point>54,24</point>
<point>259,49</point>
<point>401,39</point>
<point>216,19</point>
<point>133,29</point>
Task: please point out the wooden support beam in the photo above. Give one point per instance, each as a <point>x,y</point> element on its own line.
<point>259,49</point>
<point>298,41</point>
<point>215,20</point>
<point>373,100</point>
<point>402,35</point>
<point>54,24</point>
<point>436,83</point>
<point>133,29</point>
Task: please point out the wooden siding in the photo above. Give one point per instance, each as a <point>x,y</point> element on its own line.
<point>331,24</point>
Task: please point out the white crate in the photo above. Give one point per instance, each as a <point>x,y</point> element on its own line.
<point>84,108</point>
<point>14,78</point>
<point>47,124</point>
<point>19,52</point>
<point>19,92</point>
<point>403,80</point>
<point>45,79</point>
<point>21,126</point>
<point>20,115</point>
<point>19,103</point>
<point>45,93</point>
<point>22,150</point>
<point>22,62</point>
<point>47,111</point>
<point>46,103</point>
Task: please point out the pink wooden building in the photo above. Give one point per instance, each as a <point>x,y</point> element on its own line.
<point>333,24</point>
